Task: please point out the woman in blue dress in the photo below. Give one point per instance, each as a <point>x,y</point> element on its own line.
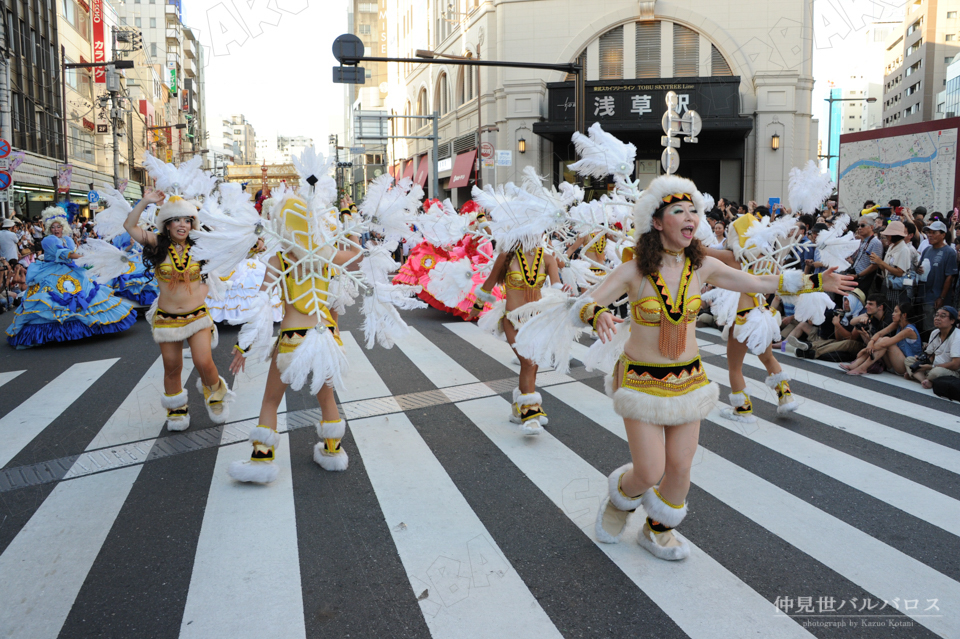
<point>137,285</point>
<point>61,303</point>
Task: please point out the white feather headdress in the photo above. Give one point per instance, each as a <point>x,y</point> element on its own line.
<point>807,188</point>
<point>316,183</point>
<point>602,154</point>
<point>518,217</point>
<point>442,226</point>
<point>652,199</point>
<point>181,184</point>
<point>390,209</point>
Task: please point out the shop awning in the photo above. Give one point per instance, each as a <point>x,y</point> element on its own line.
<point>423,170</point>
<point>407,170</point>
<point>393,171</point>
<point>462,169</point>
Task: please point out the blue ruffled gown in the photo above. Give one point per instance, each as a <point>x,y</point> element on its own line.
<point>137,284</point>
<point>62,304</point>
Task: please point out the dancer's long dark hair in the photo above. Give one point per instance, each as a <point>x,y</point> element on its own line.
<point>649,250</point>
<point>155,255</point>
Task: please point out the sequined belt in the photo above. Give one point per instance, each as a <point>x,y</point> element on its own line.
<point>662,380</point>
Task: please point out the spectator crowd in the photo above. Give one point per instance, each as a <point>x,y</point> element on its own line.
<point>902,318</point>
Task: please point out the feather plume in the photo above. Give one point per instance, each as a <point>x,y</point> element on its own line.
<point>442,226</point>
<point>318,355</point>
<point>547,338</point>
<point>105,261</point>
<point>764,234</point>
<point>836,248</point>
<point>311,166</point>
<point>233,227</point>
<point>708,203</point>
<point>603,356</point>
<point>256,335</point>
<point>810,307</point>
<point>489,322</point>
<point>108,223</point>
<point>759,330</point>
<point>518,217</point>
<point>807,188</point>
<point>390,209</point>
<point>579,275</point>
<point>602,154</point>
<point>451,282</point>
<point>382,322</point>
<point>187,180</point>
<point>723,304</point>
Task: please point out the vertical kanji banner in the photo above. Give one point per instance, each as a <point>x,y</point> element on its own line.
<point>99,73</point>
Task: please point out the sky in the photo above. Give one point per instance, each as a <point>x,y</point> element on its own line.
<point>271,62</point>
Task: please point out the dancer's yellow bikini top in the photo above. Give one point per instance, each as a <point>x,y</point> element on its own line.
<point>298,292</point>
<point>598,246</point>
<point>648,311</point>
<point>529,275</point>
<point>178,270</point>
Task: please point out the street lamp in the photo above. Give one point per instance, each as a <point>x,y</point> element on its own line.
<point>830,101</point>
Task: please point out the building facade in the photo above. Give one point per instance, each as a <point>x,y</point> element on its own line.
<point>747,72</point>
<point>916,59</point>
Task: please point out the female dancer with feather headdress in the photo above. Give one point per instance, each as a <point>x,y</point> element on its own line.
<point>179,312</point>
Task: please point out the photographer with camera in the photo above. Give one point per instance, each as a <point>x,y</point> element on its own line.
<point>941,358</point>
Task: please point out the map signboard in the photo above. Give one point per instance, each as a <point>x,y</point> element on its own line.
<point>913,163</point>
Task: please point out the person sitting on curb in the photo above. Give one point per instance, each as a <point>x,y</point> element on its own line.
<point>941,358</point>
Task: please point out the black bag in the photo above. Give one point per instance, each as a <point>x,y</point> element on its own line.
<point>948,387</point>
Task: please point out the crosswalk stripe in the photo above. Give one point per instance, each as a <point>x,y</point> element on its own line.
<point>892,438</point>
<point>64,532</point>
<point>725,604</point>
<point>246,572</point>
<point>899,492</point>
<point>360,368</point>
<point>947,421</point>
<point>890,380</point>
<point>440,539</point>
<point>9,375</point>
<point>26,421</point>
<point>848,551</point>
<point>440,368</point>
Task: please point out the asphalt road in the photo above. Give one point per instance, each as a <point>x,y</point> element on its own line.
<point>840,520</point>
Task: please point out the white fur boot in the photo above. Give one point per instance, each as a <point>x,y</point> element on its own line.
<point>260,468</point>
<point>614,511</point>
<point>216,400</point>
<point>780,383</point>
<point>514,408</point>
<point>328,452</point>
<point>531,413</point>
<point>178,411</point>
<point>657,534</point>
<point>742,410</point>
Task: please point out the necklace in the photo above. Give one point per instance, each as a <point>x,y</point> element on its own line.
<point>676,254</point>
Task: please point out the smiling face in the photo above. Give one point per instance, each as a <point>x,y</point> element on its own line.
<point>179,228</point>
<point>718,230</point>
<point>56,229</point>
<point>677,224</point>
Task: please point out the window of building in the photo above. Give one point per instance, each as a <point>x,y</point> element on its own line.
<point>913,27</point>
<point>611,54</point>
<point>421,105</point>
<point>948,59</point>
<point>465,85</point>
<point>364,29</point>
<point>951,14</point>
<point>718,66</point>
<point>153,23</point>
<point>648,49</point>
<point>137,22</point>
<point>76,17</point>
<point>123,20</point>
<point>367,7</point>
<point>916,45</point>
<point>153,49</point>
<point>440,99</point>
<point>950,37</point>
<point>686,52</point>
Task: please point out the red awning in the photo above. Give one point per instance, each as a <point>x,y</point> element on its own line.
<point>407,170</point>
<point>423,170</point>
<point>393,170</point>
<point>462,169</point>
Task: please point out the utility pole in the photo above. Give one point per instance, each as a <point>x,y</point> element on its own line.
<point>113,86</point>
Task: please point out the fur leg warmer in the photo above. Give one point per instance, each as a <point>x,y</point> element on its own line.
<point>664,544</point>
<point>258,470</point>
<point>781,384</point>
<point>515,412</point>
<point>216,400</point>
<point>742,410</point>
<point>613,513</point>
<point>178,416</point>
<point>531,413</point>
<point>328,452</point>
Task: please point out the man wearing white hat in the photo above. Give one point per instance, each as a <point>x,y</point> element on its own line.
<point>8,241</point>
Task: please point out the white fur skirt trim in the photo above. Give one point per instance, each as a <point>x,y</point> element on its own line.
<point>665,411</point>
<point>167,330</point>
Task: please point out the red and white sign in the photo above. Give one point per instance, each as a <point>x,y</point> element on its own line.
<point>487,151</point>
<point>99,45</point>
